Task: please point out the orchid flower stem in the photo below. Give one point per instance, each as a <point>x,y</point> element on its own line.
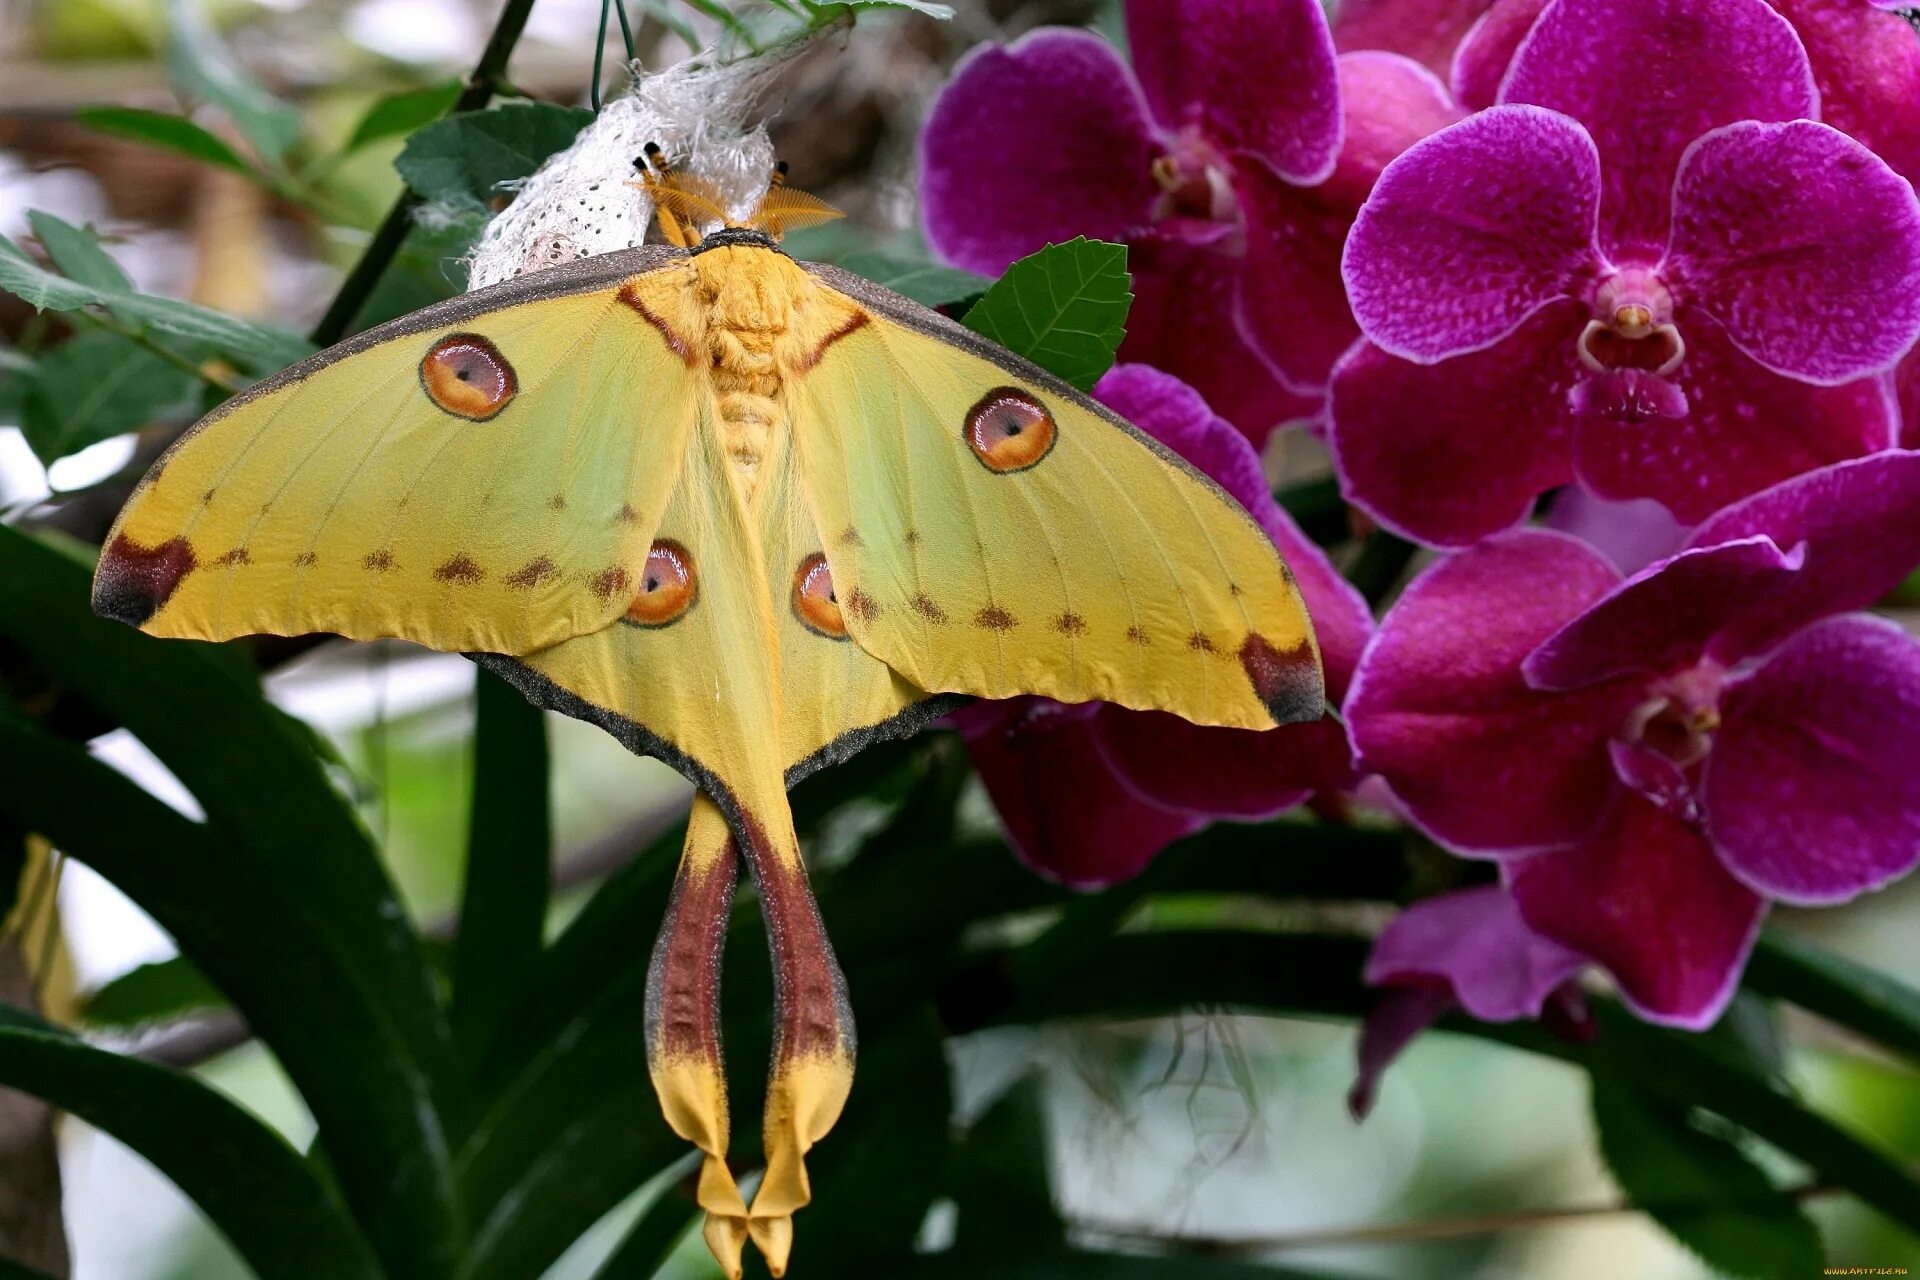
<point>1847,994</point>
<point>488,78</point>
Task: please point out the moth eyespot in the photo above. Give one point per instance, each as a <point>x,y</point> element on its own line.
<point>814,600</point>
<point>468,377</point>
<point>667,586</point>
<point>1009,430</point>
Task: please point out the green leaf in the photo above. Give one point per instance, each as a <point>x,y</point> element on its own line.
<point>1064,308</point>
<point>503,909</point>
<point>1702,1188</point>
<point>279,898</point>
<point>163,991</point>
<point>77,254</point>
<point>932,10</point>
<point>257,347</point>
<point>167,132</point>
<point>399,113</point>
<point>96,386</point>
<point>260,1193</point>
<point>204,70</point>
<point>927,283</point>
<point>1847,994</point>
<point>464,159</point>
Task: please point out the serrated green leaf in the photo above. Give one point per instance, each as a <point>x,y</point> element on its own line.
<point>262,1195</point>
<point>1064,308</point>
<point>1703,1189</point>
<point>167,132</point>
<point>399,113</point>
<point>95,387</point>
<point>927,283</point>
<point>465,158</point>
<point>927,7</point>
<point>258,348</point>
<point>163,991</point>
<point>205,71</point>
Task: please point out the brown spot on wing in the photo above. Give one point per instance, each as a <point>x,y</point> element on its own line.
<point>460,569</point>
<point>134,582</point>
<point>862,606</point>
<point>237,556</point>
<point>379,561</point>
<point>558,502</point>
<point>913,537</point>
<point>1070,624</point>
<point>924,605</point>
<point>994,618</point>
<point>630,295</point>
<point>305,559</point>
<point>1288,683</point>
<point>1136,635</point>
<point>532,574</point>
<point>851,324</point>
<point>628,515</point>
<point>609,583</point>
<point>850,537</point>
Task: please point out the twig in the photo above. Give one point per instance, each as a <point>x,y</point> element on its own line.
<point>1484,1224</point>
<point>488,78</point>
<point>104,321</point>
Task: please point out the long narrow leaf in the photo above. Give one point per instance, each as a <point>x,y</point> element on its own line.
<point>283,902</point>
<point>509,850</point>
<point>255,1188</point>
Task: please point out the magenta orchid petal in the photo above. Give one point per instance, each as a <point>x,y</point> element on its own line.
<point>1647,77</point>
<point>1390,103</point>
<point>1859,523</point>
<point>1867,65</point>
<point>1486,53</point>
<point>1663,619</point>
<point>1293,302</point>
<point>1177,416</point>
<point>1632,534</point>
<point>1655,776</point>
<point>1426,31</point>
<point>1393,1024</point>
<point>1475,942</point>
<point>1067,814</point>
<point>1439,709</point>
<point>1227,773</point>
<point>1906,390</point>
<point>1803,244</point>
<point>1449,453</point>
<point>1746,428</point>
<point>1254,76</point>
<point>1183,321</point>
<point>1292,307</point>
<point>1810,793</point>
<point>1473,230</point>
<point>1646,898</point>
<point>1066,106</point>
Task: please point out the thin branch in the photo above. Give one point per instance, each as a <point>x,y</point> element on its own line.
<point>101,320</point>
<point>1484,1224</point>
<point>488,78</point>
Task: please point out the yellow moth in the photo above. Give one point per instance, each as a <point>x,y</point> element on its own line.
<point>746,514</point>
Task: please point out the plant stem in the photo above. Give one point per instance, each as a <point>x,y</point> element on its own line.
<point>488,78</point>
<point>1383,558</point>
<point>104,321</point>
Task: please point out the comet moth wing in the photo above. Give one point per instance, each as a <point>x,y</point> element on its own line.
<point>748,516</point>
